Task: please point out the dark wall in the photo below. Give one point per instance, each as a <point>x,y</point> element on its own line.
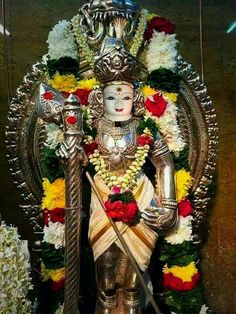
<point>29,23</point>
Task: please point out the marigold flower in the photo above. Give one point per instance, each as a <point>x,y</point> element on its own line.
<point>183,183</point>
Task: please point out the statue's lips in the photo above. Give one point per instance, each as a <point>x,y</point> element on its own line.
<point>118,109</point>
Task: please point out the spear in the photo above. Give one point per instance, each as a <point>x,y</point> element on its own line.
<point>72,155</point>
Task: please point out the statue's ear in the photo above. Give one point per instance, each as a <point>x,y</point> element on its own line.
<point>96,103</point>
<point>50,103</point>
<point>138,107</point>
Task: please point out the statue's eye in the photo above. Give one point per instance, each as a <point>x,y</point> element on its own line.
<point>126,98</point>
<point>110,98</point>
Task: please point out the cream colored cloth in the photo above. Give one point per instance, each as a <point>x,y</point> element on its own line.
<point>140,238</point>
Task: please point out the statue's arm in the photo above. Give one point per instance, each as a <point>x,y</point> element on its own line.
<point>163,214</point>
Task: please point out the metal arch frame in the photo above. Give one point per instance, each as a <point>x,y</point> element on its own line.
<point>203,148</point>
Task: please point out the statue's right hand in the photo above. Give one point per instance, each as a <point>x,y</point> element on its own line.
<point>63,151</point>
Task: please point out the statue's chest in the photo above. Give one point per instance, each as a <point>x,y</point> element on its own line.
<point>117,143</point>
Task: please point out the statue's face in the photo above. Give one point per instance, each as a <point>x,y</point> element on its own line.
<point>118,102</point>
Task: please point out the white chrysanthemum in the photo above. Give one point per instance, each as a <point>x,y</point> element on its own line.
<point>61,42</point>
<point>54,233</point>
<point>204,309</point>
<point>161,51</point>
<point>169,127</point>
<point>55,135</point>
<point>15,281</point>
<point>181,232</point>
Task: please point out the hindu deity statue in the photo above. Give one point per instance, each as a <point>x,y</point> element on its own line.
<point>138,207</point>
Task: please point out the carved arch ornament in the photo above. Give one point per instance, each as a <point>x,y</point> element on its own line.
<point>25,137</point>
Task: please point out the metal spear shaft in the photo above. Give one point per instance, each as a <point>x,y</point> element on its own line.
<point>126,248</point>
<point>72,121</point>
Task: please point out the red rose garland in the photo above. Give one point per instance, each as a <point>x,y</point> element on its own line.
<point>158,24</point>
<point>185,207</point>
<point>55,215</point>
<point>175,283</point>
<point>120,211</point>
<point>156,104</point>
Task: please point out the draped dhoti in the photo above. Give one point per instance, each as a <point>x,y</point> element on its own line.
<point>140,238</point>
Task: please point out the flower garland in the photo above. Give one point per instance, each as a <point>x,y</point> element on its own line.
<point>128,180</point>
<point>81,41</point>
<point>61,42</point>
<point>15,281</point>
<point>161,52</point>
<point>138,37</point>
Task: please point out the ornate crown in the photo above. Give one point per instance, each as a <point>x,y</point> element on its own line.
<point>118,65</point>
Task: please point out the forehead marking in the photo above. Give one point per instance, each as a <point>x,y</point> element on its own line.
<point>119,89</point>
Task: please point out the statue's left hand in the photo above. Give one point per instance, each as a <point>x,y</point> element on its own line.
<point>157,216</point>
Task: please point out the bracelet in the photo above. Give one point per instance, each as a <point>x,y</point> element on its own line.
<point>171,203</point>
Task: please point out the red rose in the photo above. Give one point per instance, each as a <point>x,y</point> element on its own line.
<point>90,148</point>
<point>83,95</point>
<point>131,212</point>
<point>115,210</point>
<point>57,285</point>
<point>158,24</point>
<point>185,207</point>
<point>175,283</point>
<point>55,215</point>
<point>156,104</point>
<point>144,140</point>
<point>48,95</point>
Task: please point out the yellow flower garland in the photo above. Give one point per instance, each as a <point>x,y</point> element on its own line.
<point>149,91</point>
<point>185,273</point>
<point>183,183</point>
<point>65,83</point>
<point>172,97</point>
<point>87,84</point>
<point>53,274</point>
<point>54,194</point>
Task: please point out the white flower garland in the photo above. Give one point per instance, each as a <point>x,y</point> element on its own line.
<point>169,127</point>
<point>128,180</point>
<point>54,234</point>
<point>61,41</point>
<point>181,232</point>
<point>15,281</point>
<point>161,52</point>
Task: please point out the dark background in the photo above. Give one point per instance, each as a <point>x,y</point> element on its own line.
<point>29,22</point>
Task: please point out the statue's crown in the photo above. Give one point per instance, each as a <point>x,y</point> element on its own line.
<point>117,64</point>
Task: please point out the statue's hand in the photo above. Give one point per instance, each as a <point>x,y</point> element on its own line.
<point>64,152</point>
<point>160,217</point>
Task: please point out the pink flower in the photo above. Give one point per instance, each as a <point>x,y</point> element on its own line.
<point>115,190</point>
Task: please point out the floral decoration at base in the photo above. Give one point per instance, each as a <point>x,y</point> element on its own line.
<point>15,281</point>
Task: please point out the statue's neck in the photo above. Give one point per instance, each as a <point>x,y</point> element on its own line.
<point>118,118</point>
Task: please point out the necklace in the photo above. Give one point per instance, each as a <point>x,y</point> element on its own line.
<point>129,179</point>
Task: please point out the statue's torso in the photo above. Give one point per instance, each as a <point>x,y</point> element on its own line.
<point>117,142</point>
